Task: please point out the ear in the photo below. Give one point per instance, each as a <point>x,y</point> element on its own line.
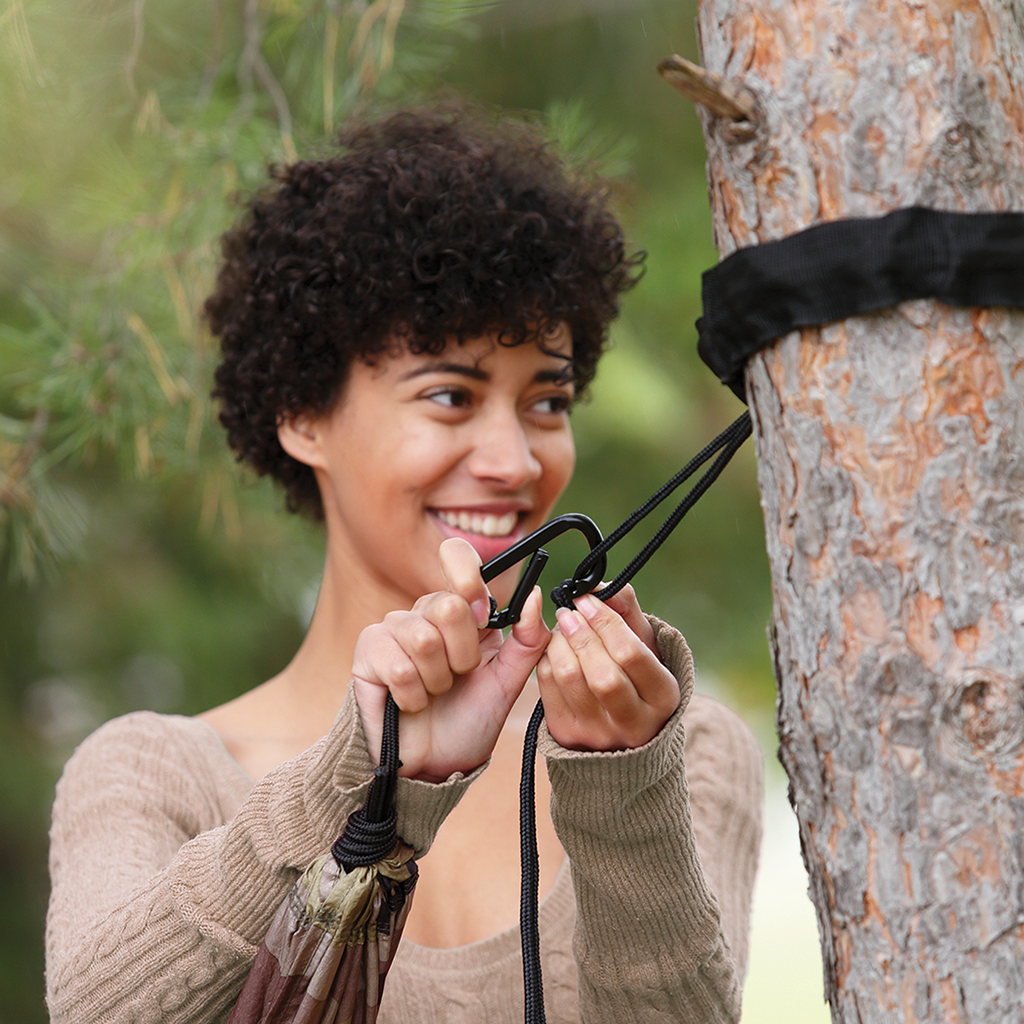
<point>302,437</point>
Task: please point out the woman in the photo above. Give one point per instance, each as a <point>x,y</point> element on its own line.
<point>404,329</point>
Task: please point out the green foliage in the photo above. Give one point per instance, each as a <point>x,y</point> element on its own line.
<point>136,124</point>
<point>141,570</point>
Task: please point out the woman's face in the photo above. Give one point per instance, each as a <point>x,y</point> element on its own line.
<point>474,442</point>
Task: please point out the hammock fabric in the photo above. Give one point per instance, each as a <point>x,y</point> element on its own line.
<point>330,945</point>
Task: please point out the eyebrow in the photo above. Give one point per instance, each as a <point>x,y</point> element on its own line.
<point>552,376</point>
<point>440,366</point>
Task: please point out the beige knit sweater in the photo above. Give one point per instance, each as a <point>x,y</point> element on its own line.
<point>168,864</point>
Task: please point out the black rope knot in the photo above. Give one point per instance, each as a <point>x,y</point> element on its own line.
<point>563,594</point>
<point>371,832</point>
<point>365,842</point>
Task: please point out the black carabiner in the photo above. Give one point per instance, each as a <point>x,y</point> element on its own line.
<point>531,545</point>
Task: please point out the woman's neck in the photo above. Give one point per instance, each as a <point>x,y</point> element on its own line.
<point>288,713</point>
<point>317,677</point>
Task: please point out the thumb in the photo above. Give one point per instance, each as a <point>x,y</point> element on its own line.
<point>460,566</point>
<point>523,647</point>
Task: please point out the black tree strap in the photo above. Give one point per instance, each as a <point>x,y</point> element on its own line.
<point>847,267</point>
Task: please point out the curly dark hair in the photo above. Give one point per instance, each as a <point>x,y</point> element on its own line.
<point>430,225</point>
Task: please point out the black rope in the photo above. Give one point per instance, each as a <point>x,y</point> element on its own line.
<point>529,931</point>
<point>371,830</point>
<point>726,445</point>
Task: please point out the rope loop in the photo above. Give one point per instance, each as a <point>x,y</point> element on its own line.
<point>365,842</point>
<point>563,594</point>
<point>725,446</point>
<point>371,830</point>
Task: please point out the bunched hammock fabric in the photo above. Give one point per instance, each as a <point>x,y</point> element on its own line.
<point>329,947</point>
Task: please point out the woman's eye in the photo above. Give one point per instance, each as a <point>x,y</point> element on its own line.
<point>451,398</point>
<point>553,404</point>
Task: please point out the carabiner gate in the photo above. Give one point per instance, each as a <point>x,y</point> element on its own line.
<point>531,545</point>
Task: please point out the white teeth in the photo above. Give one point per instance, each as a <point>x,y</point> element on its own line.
<point>486,524</point>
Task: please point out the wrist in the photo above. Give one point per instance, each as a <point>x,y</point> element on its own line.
<point>433,775</point>
<point>423,776</point>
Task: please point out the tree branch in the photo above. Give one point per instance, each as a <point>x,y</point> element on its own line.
<point>132,60</point>
<point>252,60</point>
<point>722,96</point>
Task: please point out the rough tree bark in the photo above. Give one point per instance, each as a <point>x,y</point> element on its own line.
<point>891,465</point>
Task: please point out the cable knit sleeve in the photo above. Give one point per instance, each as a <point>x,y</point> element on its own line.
<point>651,941</point>
<point>159,895</point>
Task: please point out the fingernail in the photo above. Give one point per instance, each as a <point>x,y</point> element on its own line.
<point>481,612</point>
<point>588,606</point>
<point>567,621</point>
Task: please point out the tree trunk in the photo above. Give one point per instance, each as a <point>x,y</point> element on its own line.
<point>891,468</point>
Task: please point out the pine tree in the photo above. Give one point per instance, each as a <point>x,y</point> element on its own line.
<point>891,478</point>
<point>129,128</point>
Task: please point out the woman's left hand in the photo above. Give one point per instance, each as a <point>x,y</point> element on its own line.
<point>601,680</point>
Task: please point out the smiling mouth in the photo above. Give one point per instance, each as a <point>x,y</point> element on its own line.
<point>486,524</point>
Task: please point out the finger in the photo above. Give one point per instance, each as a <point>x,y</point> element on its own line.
<point>648,677</point>
<point>370,699</point>
<point>522,648</point>
<point>574,717</point>
<point>455,624</point>
<point>531,630</point>
<point>381,659</point>
<point>460,566</point>
<point>626,604</point>
<point>427,647</point>
<point>567,673</point>
<point>556,708</point>
<point>606,681</point>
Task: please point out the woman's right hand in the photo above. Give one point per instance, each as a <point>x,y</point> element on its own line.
<point>454,682</point>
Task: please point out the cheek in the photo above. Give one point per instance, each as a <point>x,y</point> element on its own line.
<point>559,461</point>
<point>421,456</point>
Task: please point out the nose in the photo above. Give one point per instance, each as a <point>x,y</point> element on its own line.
<point>503,453</point>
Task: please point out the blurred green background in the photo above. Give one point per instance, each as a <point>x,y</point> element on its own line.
<point>140,567</point>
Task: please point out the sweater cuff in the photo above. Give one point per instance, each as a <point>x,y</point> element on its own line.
<point>623,818</point>
<point>423,806</point>
<point>583,779</point>
<point>675,655</point>
<point>655,757</point>
<point>344,762</point>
